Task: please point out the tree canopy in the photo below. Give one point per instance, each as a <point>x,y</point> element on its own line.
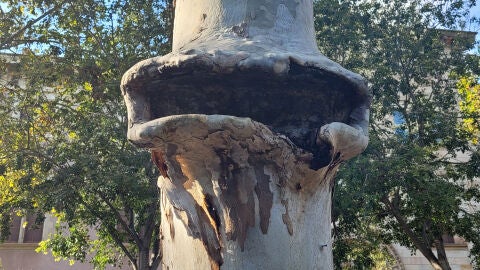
<point>469,90</point>
<point>416,180</point>
<point>63,147</point>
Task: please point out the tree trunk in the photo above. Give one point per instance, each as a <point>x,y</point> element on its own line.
<point>241,197</point>
<point>441,254</point>
<point>143,260</point>
<point>436,264</point>
<point>235,194</point>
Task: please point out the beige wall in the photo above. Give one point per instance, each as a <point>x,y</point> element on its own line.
<point>457,256</point>
<point>22,256</point>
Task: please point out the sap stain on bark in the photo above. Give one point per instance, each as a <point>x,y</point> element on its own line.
<point>195,217</point>
<point>237,185</point>
<point>214,175</point>
<point>212,211</point>
<point>169,216</point>
<point>286,218</point>
<point>209,237</point>
<point>159,160</point>
<point>265,197</point>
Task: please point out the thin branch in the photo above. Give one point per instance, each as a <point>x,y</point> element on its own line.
<point>111,230</point>
<point>156,262</point>
<point>8,40</point>
<point>152,209</point>
<point>17,42</point>
<point>119,242</point>
<point>124,224</point>
<point>150,223</point>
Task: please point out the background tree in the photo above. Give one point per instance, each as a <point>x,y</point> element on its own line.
<point>411,186</point>
<point>62,145</point>
<point>469,91</point>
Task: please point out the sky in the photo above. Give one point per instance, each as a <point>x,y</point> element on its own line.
<point>475,11</point>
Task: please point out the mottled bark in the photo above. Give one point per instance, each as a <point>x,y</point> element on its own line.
<point>240,196</point>
<point>261,122</point>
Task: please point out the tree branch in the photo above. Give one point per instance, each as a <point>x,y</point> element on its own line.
<point>156,261</point>
<point>442,255</point>
<point>152,210</point>
<point>156,250</point>
<point>424,249</point>
<point>111,231</point>
<point>119,242</point>
<point>150,223</point>
<point>124,225</point>
<point>4,43</point>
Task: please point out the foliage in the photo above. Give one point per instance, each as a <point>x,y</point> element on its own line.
<point>414,183</point>
<point>470,107</point>
<point>63,143</point>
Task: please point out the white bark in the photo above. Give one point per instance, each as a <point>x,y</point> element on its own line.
<point>248,25</point>
<point>235,194</point>
<point>234,37</point>
<point>238,196</point>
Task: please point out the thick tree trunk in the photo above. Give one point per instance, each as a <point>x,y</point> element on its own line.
<point>241,197</point>
<point>235,193</point>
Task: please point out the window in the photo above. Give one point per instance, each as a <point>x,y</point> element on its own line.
<point>14,229</point>
<point>31,233</point>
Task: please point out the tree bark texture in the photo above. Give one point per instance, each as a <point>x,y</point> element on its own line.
<point>248,124</point>
<point>239,196</point>
<point>441,254</point>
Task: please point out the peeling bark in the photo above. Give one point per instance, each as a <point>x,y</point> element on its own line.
<point>233,185</point>
<point>248,124</point>
<point>286,218</point>
<point>265,197</point>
